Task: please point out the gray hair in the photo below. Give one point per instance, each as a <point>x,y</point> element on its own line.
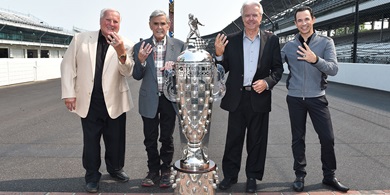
<point>103,12</point>
<point>156,13</point>
<point>251,2</point>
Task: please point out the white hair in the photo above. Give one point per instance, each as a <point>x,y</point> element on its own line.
<point>251,2</point>
<point>103,12</point>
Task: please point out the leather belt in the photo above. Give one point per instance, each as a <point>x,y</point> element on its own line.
<point>247,88</point>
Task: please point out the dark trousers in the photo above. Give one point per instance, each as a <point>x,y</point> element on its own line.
<point>96,124</point>
<point>165,117</point>
<point>320,117</point>
<point>256,124</point>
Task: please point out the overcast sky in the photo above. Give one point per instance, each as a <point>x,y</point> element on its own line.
<point>84,14</point>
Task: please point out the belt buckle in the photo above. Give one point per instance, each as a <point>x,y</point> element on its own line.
<point>248,88</point>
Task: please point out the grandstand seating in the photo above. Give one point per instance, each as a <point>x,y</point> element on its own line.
<point>373,45</point>
<point>34,30</point>
<point>12,16</point>
<point>37,37</point>
<point>374,53</point>
<point>371,36</point>
<point>320,7</point>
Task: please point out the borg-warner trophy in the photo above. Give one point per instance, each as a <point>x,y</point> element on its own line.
<point>195,83</point>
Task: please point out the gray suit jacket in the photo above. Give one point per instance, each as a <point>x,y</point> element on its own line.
<point>148,92</point>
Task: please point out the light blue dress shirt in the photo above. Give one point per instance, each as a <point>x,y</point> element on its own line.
<point>251,57</point>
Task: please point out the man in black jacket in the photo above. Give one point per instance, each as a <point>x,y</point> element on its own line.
<point>252,58</point>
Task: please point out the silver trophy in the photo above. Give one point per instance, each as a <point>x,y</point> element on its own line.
<point>195,83</point>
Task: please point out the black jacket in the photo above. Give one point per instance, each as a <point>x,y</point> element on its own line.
<point>269,68</point>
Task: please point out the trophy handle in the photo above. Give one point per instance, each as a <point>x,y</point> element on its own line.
<point>219,82</point>
<point>169,87</point>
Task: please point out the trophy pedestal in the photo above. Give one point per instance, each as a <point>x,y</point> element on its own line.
<point>194,181</point>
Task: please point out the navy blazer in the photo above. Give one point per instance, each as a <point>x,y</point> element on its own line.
<point>148,92</point>
<point>269,68</point>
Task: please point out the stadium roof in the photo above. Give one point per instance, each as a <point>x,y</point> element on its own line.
<point>272,7</point>
<point>21,29</point>
<point>28,21</point>
<point>281,13</point>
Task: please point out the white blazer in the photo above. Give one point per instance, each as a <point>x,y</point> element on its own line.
<point>78,73</point>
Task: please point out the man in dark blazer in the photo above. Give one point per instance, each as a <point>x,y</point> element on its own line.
<point>252,59</point>
<point>152,56</point>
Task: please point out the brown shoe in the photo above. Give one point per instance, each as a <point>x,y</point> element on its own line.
<point>150,179</point>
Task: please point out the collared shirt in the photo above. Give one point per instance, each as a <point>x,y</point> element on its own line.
<point>101,52</point>
<point>159,50</point>
<point>300,38</point>
<point>251,58</point>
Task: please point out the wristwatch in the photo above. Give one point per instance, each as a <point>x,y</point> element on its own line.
<point>122,57</point>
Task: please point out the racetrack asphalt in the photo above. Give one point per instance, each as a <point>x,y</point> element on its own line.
<point>41,144</point>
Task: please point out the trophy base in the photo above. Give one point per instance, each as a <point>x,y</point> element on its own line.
<point>194,169</point>
<point>190,182</point>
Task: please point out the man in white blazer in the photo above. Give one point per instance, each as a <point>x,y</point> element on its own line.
<point>94,85</point>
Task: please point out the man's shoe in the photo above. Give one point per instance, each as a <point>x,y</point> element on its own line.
<point>165,179</point>
<point>120,176</point>
<point>226,183</point>
<point>251,186</point>
<point>150,179</point>
<point>92,187</point>
<point>333,182</point>
<point>299,184</point>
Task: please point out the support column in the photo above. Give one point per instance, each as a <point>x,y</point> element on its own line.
<point>171,17</point>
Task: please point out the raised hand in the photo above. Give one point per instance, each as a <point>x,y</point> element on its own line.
<point>220,44</point>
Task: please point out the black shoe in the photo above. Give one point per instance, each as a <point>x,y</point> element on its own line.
<point>227,183</point>
<point>251,186</point>
<point>299,184</point>
<point>333,182</point>
<point>92,187</point>
<point>165,179</point>
<point>120,176</point>
<point>150,179</point>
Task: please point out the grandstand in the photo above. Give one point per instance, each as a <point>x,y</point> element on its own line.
<point>334,18</point>
<point>25,36</point>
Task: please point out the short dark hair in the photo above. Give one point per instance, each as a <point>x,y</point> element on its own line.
<point>301,9</point>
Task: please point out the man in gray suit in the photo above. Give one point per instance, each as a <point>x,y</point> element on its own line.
<point>152,56</point>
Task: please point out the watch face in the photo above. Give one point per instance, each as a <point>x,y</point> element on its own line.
<point>122,56</point>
